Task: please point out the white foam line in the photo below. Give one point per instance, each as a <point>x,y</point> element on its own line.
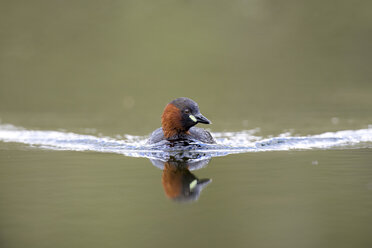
<point>228,142</point>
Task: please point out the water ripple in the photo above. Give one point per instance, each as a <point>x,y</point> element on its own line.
<point>227,143</point>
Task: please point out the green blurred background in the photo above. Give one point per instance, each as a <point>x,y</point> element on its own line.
<point>117,63</point>
<point>109,67</point>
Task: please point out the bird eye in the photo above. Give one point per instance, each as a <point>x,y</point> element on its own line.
<point>187,111</point>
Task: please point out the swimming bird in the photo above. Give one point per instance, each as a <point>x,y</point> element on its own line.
<point>178,121</point>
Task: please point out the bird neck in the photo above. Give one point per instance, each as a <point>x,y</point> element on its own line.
<point>171,122</point>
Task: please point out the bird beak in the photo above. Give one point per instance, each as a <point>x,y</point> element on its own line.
<point>201,119</point>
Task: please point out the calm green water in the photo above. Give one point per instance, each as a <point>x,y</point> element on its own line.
<point>108,69</point>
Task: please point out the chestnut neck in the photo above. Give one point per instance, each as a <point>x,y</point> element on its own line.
<point>171,122</point>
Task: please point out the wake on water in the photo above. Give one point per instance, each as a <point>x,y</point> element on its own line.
<point>227,143</point>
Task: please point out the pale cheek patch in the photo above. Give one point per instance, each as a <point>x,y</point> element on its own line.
<point>193,118</point>
<point>193,184</point>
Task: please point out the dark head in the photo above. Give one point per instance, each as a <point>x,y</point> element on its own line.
<point>180,115</point>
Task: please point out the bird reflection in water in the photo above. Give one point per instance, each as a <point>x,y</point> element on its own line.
<point>178,182</point>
